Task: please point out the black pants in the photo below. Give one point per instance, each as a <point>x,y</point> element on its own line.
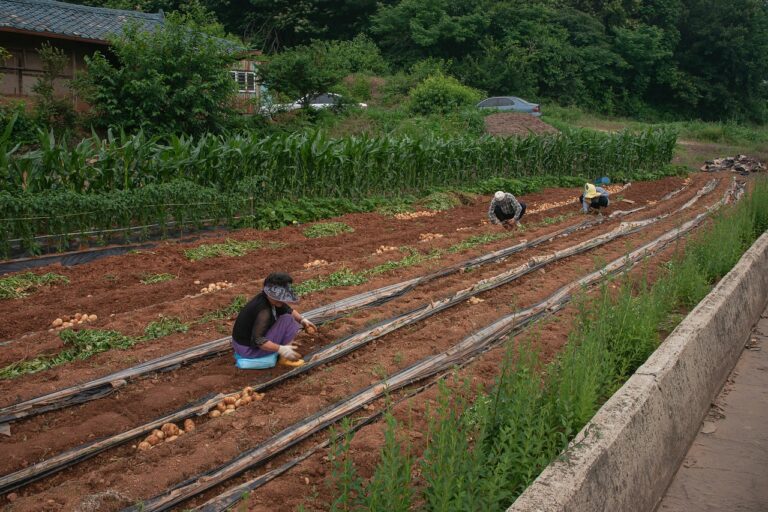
<point>503,216</point>
<point>596,202</point>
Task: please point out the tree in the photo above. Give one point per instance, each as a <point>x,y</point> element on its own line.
<point>302,71</point>
<point>52,111</point>
<point>172,80</point>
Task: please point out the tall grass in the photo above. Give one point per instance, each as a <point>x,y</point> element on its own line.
<point>482,455</point>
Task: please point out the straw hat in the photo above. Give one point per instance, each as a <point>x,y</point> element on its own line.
<point>590,191</point>
<point>498,195</point>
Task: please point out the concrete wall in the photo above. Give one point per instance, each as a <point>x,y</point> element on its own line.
<point>624,459</point>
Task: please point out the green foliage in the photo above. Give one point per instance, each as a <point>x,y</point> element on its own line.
<point>226,312</point>
<point>228,248</point>
<point>52,111</point>
<point>79,345</point>
<point>358,55</point>
<point>168,81</point>
<point>346,485</point>
<point>324,229</point>
<point>21,285</point>
<point>268,182</point>
<point>18,127</point>
<point>440,201</point>
<point>156,278</point>
<point>441,94</point>
<point>343,277</point>
<point>388,489</point>
<point>303,71</point>
<point>164,327</point>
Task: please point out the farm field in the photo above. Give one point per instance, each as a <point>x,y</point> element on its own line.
<point>159,302</point>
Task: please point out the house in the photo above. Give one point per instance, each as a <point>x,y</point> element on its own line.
<point>79,30</point>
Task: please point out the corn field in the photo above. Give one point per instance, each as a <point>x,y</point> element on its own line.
<point>126,181</point>
<point>312,164</point>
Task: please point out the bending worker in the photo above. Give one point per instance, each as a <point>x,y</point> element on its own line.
<point>505,209</point>
<point>593,197</point>
<point>266,326</point>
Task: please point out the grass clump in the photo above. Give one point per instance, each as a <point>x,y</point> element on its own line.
<point>21,285</point>
<point>324,229</point>
<point>440,201</point>
<point>164,327</point>
<point>229,248</point>
<point>156,278</point>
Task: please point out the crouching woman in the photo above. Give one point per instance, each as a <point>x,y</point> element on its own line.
<point>266,327</point>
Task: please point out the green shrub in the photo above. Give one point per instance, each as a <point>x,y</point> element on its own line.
<point>440,94</point>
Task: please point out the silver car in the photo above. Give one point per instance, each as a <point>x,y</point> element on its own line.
<point>510,103</point>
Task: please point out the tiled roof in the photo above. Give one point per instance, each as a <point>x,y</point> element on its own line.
<point>82,21</point>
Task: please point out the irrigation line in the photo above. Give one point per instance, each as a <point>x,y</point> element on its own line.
<point>325,354</point>
<point>468,347</point>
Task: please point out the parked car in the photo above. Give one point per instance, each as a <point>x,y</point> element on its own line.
<point>317,102</point>
<point>510,103</point>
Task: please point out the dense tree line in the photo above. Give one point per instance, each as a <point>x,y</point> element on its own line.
<point>675,58</point>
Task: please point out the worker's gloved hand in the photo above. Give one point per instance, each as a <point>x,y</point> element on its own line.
<point>308,325</point>
<point>289,352</point>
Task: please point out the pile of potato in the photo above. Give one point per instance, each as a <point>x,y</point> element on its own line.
<point>168,433</point>
<point>385,248</point>
<point>414,215</point>
<point>233,402</point>
<point>315,263</point>
<point>426,237</point>
<point>71,321</point>
<point>214,287</point>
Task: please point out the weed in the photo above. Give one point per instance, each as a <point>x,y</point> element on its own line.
<point>229,248</point>
<point>397,358</point>
<point>343,277</point>
<point>164,327</point>
<point>379,371</point>
<point>156,278</point>
<point>324,229</point>
<point>79,345</point>
<point>21,285</point>
<point>476,240</point>
<point>440,201</point>
<point>227,311</point>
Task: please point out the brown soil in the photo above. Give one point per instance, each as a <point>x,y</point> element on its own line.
<point>122,476</point>
<point>513,123</point>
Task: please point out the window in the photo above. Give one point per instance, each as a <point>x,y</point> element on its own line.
<point>246,80</point>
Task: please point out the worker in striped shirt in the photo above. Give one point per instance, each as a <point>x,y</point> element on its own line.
<point>505,209</point>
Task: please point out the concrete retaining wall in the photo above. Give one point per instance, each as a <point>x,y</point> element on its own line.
<point>624,459</point>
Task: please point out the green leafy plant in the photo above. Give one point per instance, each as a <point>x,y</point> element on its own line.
<point>156,278</point>
<point>164,327</point>
<point>228,248</point>
<point>343,277</point>
<point>440,94</point>
<point>21,285</point>
<point>324,229</point>
<point>233,308</point>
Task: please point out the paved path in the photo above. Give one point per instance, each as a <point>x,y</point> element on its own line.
<point>726,468</point>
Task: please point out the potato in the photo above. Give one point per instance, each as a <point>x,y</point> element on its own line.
<point>144,446</point>
<point>92,318</point>
<point>246,400</point>
<point>170,429</point>
<point>189,425</point>
<point>58,322</point>
<point>65,318</point>
<point>181,432</point>
<point>258,396</point>
<point>239,403</point>
<point>78,316</point>
<point>248,390</point>
<point>66,325</point>
<point>221,406</point>
<point>230,411</point>
<point>214,413</point>
<point>230,407</point>
<point>310,329</point>
<point>172,439</point>
<point>230,400</point>
<point>153,440</point>
<point>158,434</point>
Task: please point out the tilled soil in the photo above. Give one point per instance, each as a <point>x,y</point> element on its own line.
<point>123,475</point>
